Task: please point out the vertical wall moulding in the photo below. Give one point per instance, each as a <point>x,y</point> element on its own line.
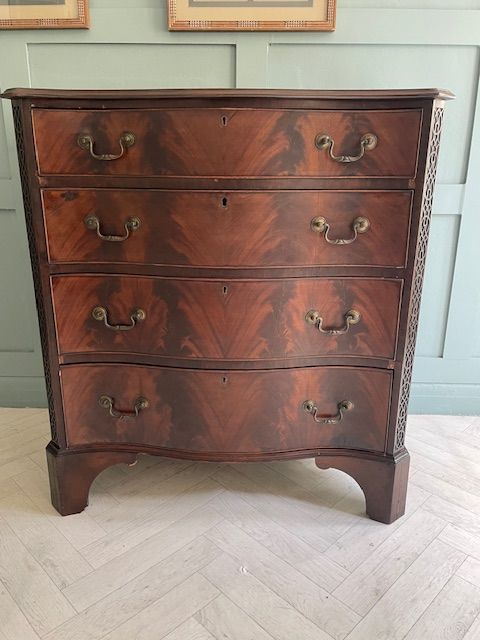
<point>34,260</point>
<point>418,272</point>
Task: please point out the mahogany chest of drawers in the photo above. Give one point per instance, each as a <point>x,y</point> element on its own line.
<point>228,275</point>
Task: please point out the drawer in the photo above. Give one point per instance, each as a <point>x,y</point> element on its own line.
<point>227,142</point>
<point>233,229</point>
<point>218,319</point>
<point>230,412</point>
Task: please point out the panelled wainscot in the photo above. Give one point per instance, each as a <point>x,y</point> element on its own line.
<point>228,275</point>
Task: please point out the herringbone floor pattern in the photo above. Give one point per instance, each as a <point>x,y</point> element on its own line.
<point>280,551</point>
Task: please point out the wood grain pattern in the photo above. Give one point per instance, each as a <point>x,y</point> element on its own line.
<point>227,142</point>
<point>192,96</point>
<point>383,481</point>
<point>227,229</point>
<point>257,151</point>
<point>199,410</point>
<point>236,319</point>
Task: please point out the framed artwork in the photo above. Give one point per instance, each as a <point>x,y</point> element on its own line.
<point>251,15</point>
<point>43,14</point>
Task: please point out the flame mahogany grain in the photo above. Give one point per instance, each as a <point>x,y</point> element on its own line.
<point>227,412</point>
<point>226,183</point>
<point>228,229</point>
<point>254,142</point>
<point>227,319</point>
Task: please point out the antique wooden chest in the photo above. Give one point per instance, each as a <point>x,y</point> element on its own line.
<point>228,275</point>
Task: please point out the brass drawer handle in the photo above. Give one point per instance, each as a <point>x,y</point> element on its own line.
<point>359,225</point>
<point>107,402</point>
<point>351,317</point>
<point>101,314</point>
<point>126,140</point>
<point>367,142</point>
<point>309,406</point>
<point>93,223</point>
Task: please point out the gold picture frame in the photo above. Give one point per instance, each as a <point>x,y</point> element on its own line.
<point>44,14</point>
<point>251,15</point>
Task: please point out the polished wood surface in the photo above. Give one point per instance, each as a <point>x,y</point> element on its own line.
<point>383,481</point>
<point>227,142</point>
<point>215,412</point>
<point>227,319</point>
<point>228,229</point>
<point>225,185</point>
<point>190,95</point>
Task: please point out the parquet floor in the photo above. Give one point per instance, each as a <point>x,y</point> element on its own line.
<point>181,551</point>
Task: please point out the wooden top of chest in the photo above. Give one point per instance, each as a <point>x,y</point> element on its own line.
<point>148,94</point>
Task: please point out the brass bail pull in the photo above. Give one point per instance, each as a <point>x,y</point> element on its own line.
<point>126,140</point>
<point>351,317</point>
<point>368,142</point>
<point>101,314</point>
<point>108,403</point>
<point>359,225</point>
<point>93,223</point>
<point>309,406</point>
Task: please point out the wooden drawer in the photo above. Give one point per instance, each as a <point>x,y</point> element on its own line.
<point>218,319</point>
<point>228,412</point>
<point>234,229</point>
<point>226,142</point>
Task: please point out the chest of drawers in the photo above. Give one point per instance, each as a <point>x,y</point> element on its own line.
<point>228,275</point>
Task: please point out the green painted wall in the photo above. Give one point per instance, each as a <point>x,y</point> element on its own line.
<point>377,44</point>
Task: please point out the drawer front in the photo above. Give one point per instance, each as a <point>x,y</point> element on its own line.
<point>239,319</point>
<point>227,142</point>
<point>234,229</point>
<point>228,412</point>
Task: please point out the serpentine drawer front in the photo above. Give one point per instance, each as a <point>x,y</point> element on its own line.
<point>228,275</point>
<point>102,406</point>
<point>227,142</point>
<point>227,319</point>
<point>228,229</point>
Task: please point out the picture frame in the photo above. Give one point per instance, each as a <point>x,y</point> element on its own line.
<point>251,15</point>
<point>44,14</point>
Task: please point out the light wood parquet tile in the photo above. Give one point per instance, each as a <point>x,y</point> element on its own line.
<point>280,551</point>
<point>40,600</point>
<point>131,598</point>
<point>126,566</point>
<point>296,588</point>
<point>280,541</point>
<point>58,558</point>
<point>168,612</point>
<point>271,612</point>
<point>365,536</point>
<point>79,529</point>
<point>226,620</point>
<point>14,623</point>
<point>192,630</point>
<point>367,584</point>
<point>140,530</point>
<point>470,571</point>
<point>402,605</point>
<point>451,614</point>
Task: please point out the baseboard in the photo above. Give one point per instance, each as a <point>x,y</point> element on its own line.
<point>22,392</point>
<point>450,399</point>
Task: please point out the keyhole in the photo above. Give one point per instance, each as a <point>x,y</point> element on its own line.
<point>224,380</point>
<point>224,121</point>
<point>224,202</point>
<point>225,289</point>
